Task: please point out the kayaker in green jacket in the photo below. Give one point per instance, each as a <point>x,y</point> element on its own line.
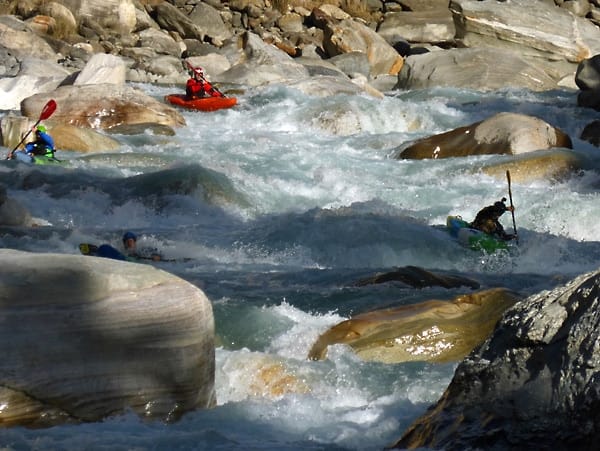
<point>487,220</point>
<point>42,145</point>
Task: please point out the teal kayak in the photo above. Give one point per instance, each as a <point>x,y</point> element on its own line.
<point>473,238</point>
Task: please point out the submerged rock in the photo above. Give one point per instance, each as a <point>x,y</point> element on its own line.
<point>553,165</point>
<point>419,278</point>
<point>434,331</point>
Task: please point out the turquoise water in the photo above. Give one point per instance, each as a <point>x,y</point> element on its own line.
<point>275,208</point>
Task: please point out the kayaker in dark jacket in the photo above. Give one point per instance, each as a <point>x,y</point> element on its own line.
<point>198,87</point>
<point>131,251</point>
<point>487,220</point>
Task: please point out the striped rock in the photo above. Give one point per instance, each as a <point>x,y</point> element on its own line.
<point>84,338</point>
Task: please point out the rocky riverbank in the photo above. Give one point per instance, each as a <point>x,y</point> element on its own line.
<point>66,50</point>
<point>475,44</point>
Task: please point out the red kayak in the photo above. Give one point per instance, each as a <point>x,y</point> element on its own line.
<point>203,104</point>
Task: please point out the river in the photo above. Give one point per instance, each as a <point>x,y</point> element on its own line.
<point>275,208</point>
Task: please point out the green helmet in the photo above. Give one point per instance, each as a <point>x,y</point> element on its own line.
<point>41,128</point>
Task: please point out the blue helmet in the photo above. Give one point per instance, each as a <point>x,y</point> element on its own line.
<point>128,236</point>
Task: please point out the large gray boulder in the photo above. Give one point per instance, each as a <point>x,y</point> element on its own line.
<point>34,76</point>
<point>473,68</point>
<point>533,29</point>
<point>551,38</point>
<point>209,20</point>
<point>260,63</point>
<point>535,384</point>
<point>83,338</point>
<point>433,26</point>
<point>22,42</point>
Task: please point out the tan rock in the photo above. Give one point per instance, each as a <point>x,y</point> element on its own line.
<point>351,36</point>
<point>553,165</point>
<point>23,42</point>
<point>503,133</point>
<point>65,22</point>
<point>70,137</point>
<point>117,15</point>
<point>334,12</point>
<point>103,106</point>
<point>434,331</point>
<point>13,128</point>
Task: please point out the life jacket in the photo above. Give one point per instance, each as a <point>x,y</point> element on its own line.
<point>487,221</point>
<point>200,88</point>
<point>43,145</point>
<point>194,88</point>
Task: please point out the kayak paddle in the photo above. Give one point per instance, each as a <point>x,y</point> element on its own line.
<point>513,208</point>
<point>47,111</point>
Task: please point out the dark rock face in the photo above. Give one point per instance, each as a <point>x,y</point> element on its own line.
<point>535,384</point>
<point>591,133</point>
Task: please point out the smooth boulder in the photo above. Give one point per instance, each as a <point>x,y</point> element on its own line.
<point>103,106</point>
<point>503,134</point>
<point>554,165</point>
<point>433,331</point>
<point>84,338</point>
<point>12,213</point>
<point>69,137</point>
<point>481,69</point>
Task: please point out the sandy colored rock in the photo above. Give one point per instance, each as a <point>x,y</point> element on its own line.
<point>503,134</point>
<point>434,330</point>
<point>103,106</point>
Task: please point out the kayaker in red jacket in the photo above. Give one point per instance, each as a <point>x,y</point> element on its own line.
<point>198,87</point>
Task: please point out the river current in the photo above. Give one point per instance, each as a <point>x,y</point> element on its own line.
<point>276,208</point>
